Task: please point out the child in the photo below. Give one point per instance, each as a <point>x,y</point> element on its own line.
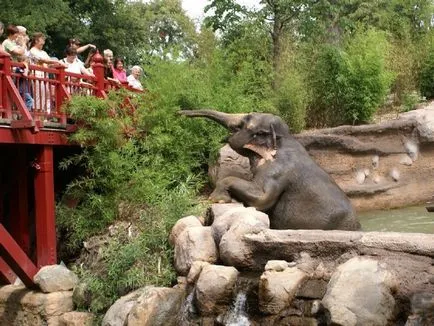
<point>24,87</point>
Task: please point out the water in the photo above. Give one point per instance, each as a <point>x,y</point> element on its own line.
<point>410,219</point>
<point>237,315</point>
<point>187,310</point>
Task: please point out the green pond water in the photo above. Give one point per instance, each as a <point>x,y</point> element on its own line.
<point>409,219</point>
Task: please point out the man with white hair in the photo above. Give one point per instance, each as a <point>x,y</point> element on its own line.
<point>134,78</point>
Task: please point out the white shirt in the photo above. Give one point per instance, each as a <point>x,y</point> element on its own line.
<point>75,67</point>
<point>134,83</point>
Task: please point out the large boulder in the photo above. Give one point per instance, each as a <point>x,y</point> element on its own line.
<point>55,278</point>
<point>215,288</point>
<point>234,250</point>
<point>277,288</point>
<point>230,163</point>
<point>222,223</point>
<point>181,225</point>
<point>194,243</point>
<point>157,307</point>
<point>359,293</point>
<point>117,314</point>
<point>76,318</point>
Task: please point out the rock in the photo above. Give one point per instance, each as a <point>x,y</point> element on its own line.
<point>216,210</point>
<point>312,289</point>
<point>157,307</point>
<point>276,265</point>
<point>194,243</point>
<point>223,222</point>
<point>359,293</point>
<point>394,174</point>
<point>230,163</point>
<point>375,161</point>
<point>406,160</point>
<point>21,306</point>
<point>360,177</point>
<point>299,321</point>
<point>75,318</point>
<point>55,278</point>
<point>422,309</point>
<point>234,251</point>
<point>412,149</point>
<point>181,225</point>
<point>278,289</point>
<point>215,288</point>
<point>195,270</point>
<point>117,314</point>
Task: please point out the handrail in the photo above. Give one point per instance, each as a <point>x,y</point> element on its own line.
<point>27,101</point>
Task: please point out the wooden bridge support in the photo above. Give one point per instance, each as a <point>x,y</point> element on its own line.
<point>27,213</point>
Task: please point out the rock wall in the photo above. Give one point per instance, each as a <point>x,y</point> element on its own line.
<point>386,165</point>
<point>50,303</point>
<point>243,273</point>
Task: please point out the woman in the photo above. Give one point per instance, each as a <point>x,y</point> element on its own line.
<point>40,58</point>
<point>134,78</point>
<point>119,72</point>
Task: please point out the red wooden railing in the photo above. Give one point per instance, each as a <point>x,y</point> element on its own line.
<point>49,88</point>
<point>31,135</point>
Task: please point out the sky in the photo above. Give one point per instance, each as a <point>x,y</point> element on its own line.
<point>194,8</point>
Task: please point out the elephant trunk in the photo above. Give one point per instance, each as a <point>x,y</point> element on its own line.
<point>228,120</point>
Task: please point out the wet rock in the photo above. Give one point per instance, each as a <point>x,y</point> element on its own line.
<point>194,243</point>
<point>278,289</point>
<point>55,278</point>
<point>359,293</point>
<point>181,225</point>
<point>299,321</point>
<point>422,309</point>
<point>156,307</point>
<point>313,289</point>
<point>215,288</point>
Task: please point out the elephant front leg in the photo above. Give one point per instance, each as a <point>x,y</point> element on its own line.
<point>251,193</point>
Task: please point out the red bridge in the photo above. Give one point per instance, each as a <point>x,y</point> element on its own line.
<point>29,143</point>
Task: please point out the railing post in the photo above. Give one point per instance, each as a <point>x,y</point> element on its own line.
<point>98,71</point>
<point>60,92</point>
<point>4,87</point>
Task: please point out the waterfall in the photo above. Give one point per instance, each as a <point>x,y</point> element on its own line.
<point>237,315</point>
<point>186,311</point>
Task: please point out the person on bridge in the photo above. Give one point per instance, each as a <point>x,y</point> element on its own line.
<point>134,78</point>
<point>10,45</point>
<point>119,72</point>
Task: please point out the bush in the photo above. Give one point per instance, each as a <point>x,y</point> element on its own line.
<point>349,84</point>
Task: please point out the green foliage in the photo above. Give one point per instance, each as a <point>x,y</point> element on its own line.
<point>426,78</point>
<point>349,85</point>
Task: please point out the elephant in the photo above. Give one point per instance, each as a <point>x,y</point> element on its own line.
<point>287,184</point>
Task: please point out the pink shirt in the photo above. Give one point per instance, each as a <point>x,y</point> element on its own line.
<point>120,75</point>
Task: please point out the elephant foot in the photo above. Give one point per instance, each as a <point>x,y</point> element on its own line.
<point>220,197</point>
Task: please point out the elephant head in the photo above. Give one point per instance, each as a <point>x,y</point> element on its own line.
<point>254,135</point>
